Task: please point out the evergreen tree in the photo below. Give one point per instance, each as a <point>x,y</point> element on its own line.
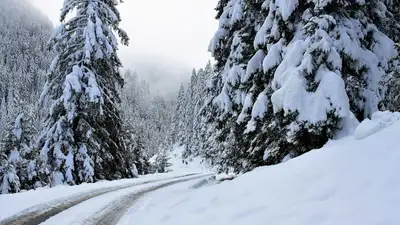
<point>81,141</point>
<point>310,70</point>
<point>178,126</point>
<point>8,174</point>
<point>190,115</point>
<point>17,171</point>
<point>162,160</point>
<point>147,122</point>
<point>24,32</point>
<point>232,47</point>
<point>392,83</point>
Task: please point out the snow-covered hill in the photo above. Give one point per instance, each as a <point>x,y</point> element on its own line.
<point>352,181</point>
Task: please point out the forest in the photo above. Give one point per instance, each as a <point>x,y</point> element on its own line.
<point>286,77</point>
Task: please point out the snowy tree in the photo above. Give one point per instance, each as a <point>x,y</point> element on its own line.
<point>147,122</point>
<point>392,84</point>
<point>135,144</point>
<point>334,72</point>
<point>8,174</point>
<point>178,121</point>
<point>190,115</point>
<point>81,141</point>
<point>189,125</point>
<point>314,68</point>
<point>232,47</point>
<point>18,163</point>
<point>24,32</point>
<point>163,160</point>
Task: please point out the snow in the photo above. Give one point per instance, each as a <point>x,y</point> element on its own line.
<point>292,96</point>
<point>347,182</point>
<point>15,203</point>
<point>254,66</point>
<point>69,164</point>
<point>258,111</point>
<point>194,165</point>
<point>248,102</point>
<point>92,209</point>
<point>378,122</point>
<point>17,126</point>
<point>150,199</point>
<point>236,13</point>
<point>260,106</point>
<point>286,7</point>
<point>273,57</point>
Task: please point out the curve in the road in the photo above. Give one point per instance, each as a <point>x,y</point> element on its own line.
<point>37,215</point>
<point>113,213</point>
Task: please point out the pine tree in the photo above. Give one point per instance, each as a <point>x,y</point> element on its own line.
<point>232,47</point>
<point>24,32</point>
<point>178,126</point>
<point>134,141</point>
<point>81,141</point>
<point>8,174</point>
<point>336,72</point>
<point>392,83</point>
<point>162,160</point>
<point>190,115</point>
<point>310,70</point>
<point>24,132</point>
<point>15,146</point>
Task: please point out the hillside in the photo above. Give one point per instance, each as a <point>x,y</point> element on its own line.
<point>347,182</point>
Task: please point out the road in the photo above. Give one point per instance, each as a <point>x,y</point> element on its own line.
<point>116,200</point>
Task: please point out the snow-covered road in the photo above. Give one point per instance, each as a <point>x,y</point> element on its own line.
<point>102,205</point>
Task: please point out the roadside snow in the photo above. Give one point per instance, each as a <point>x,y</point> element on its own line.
<point>12,204</point>
<point>378,122</point>
<point>347,182</point>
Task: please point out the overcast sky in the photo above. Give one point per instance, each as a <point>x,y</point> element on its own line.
<point>163,33</point>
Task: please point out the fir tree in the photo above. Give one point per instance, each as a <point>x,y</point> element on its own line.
<point>15,169</point>
<point>232,47</point>
<point>309,75</point>
<point>162,160</point>
<point>81,141</point>
<point>178,126</point>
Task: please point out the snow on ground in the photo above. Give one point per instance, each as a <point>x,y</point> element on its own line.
<point>88,211</point>
<point>378,122</point>
<point>12,204</point>
<point>347,182</point>
<point>150,200</point>
<point>194,165</point>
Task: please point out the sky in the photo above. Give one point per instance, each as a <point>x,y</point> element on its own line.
<point>168,38</point>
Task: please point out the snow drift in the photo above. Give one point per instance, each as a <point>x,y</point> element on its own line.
<point>347,182</point>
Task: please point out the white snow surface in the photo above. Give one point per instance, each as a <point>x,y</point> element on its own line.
<point>194,165</point>
<point>87,211</point>
<point>378,122</point>
<point>11,204</point>
<point>347,182</point>
<point>134,213</point>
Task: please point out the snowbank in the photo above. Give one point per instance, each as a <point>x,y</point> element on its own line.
<point>378,122</point>
<point>348,182</point>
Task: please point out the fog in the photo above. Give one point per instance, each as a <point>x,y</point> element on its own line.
<point>168,38</point>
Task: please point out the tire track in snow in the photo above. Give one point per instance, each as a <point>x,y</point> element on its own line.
<point>114,212</point>
<point>40,213</point>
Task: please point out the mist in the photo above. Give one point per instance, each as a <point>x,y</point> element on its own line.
<point>166,41</point>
